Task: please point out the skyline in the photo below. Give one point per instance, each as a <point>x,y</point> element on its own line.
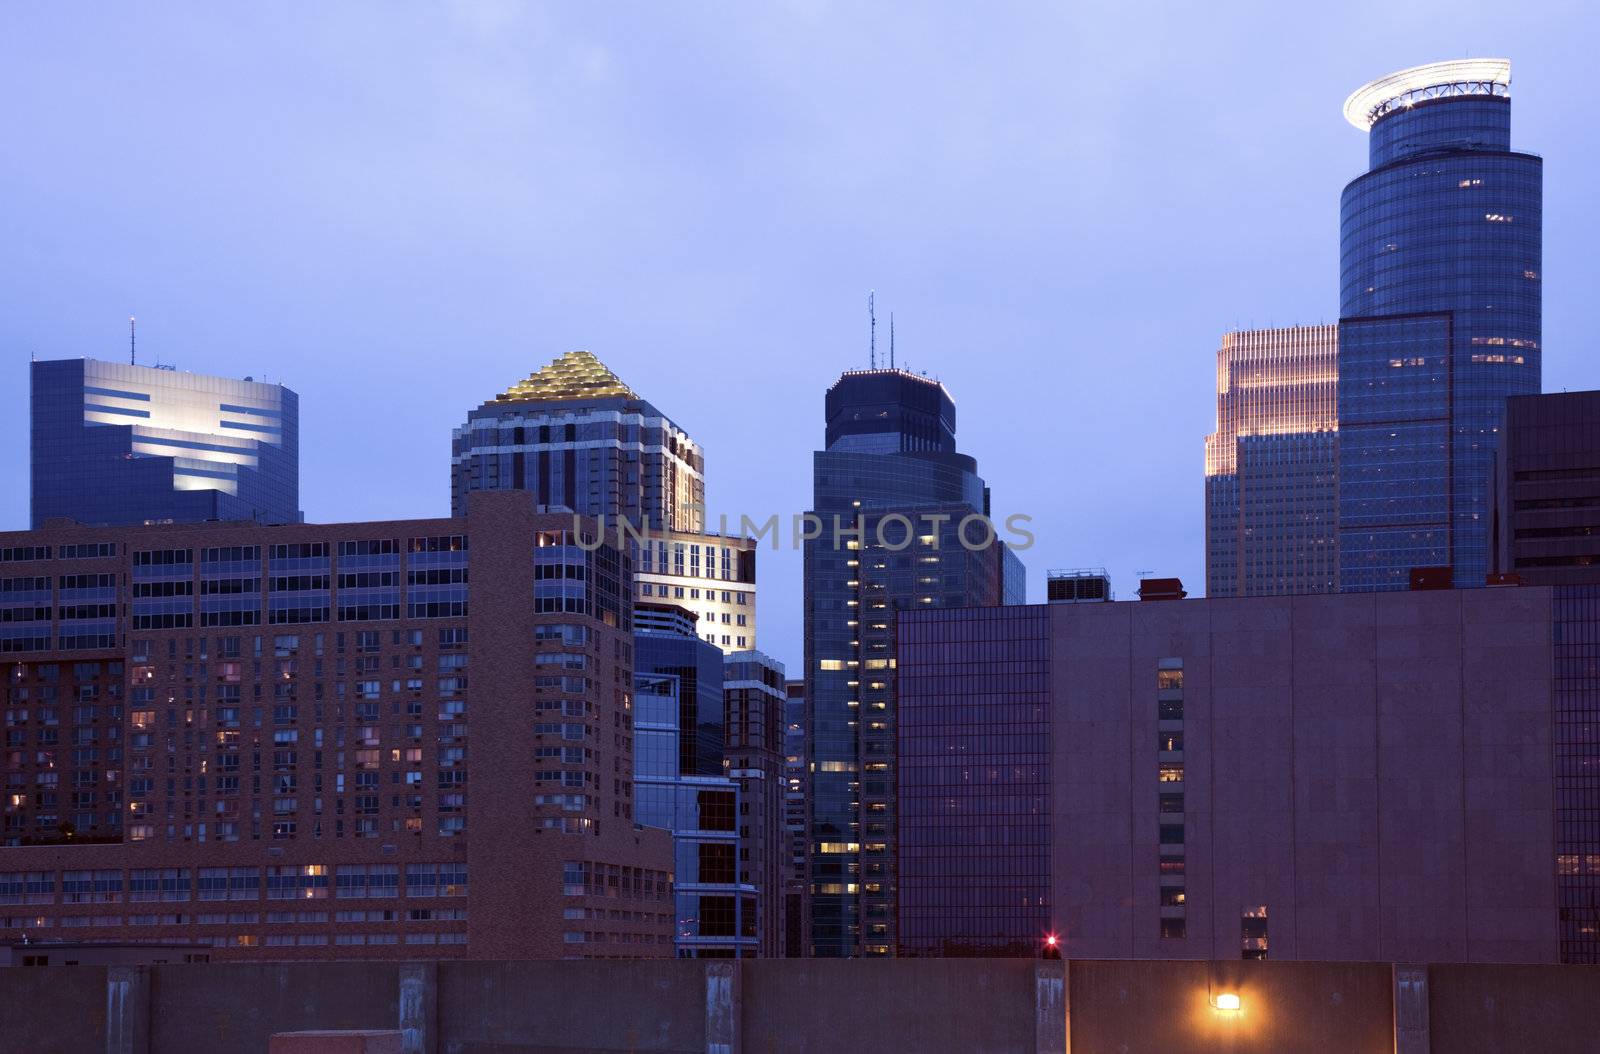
<point>271,248</point>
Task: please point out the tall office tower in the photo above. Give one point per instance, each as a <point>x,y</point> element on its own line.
<point>1439,318</point>
<point>903,525</point>
<point>118,445</point>
<point>1545,526</point>
<point>326,741</point>
<point>794,819</point>
<point>680,732</point>
<point>1272,465</point>
<point>753,693</point>
<point>580,439</point>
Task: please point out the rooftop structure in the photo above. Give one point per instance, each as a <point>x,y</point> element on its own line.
<point>1433,80</point>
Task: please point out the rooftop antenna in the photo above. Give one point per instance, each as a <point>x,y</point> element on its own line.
<point>891,340</point>
<point>872,326</point>
<point>133,357</point>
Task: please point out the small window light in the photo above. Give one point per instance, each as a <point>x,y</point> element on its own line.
<point>1226,1001</point>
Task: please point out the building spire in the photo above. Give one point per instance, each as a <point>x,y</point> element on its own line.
<point>872,330</point>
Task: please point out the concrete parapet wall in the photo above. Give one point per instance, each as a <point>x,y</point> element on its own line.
<point>558,1007</point>
<point>904,1004</point>
<point>792,1006</point>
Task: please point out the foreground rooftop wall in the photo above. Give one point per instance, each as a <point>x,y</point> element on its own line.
<point>998,1006</point>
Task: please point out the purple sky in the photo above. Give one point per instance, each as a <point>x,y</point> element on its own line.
<point>399,209</point>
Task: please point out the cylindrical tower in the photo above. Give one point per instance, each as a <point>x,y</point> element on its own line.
<point>1439,317</point>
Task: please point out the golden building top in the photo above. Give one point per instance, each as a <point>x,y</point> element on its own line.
<point>575,375</point>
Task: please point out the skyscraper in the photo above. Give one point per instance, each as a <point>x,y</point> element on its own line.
<point>901,517</point>
<point>116,445</point>
<point>1439,322</point>
<point>580,439</point>
<point>754,697</point>
<point>1272,464</point>
<point>795,920</point>
<point>680,736</point>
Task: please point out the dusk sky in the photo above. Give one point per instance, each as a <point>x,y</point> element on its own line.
<point>400,209</point>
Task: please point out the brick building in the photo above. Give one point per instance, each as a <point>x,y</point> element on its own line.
<point>339,741</point>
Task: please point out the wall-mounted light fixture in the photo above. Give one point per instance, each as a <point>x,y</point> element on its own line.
<point>1225,1001</point>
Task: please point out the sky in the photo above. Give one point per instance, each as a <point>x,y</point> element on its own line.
<point>399,209</point>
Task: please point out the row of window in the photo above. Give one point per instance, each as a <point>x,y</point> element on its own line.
<point>288,882</point>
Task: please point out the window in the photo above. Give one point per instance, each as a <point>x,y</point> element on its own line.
<point>373,880</point>
<point>303,882</point>
<point>716,916</point>
<point>717,863</point>
<point>716,810</point>
<point>436,880</point>
<point>1253,932</point>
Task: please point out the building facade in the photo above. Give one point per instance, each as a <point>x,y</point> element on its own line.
<point>902,517</point>
<point>1545,525</point>
<point>1272,465</point>
<point>1440,313</point>
<point>681,732</point>
<point>795,916</point>
<point>578,438</point>
<point>1402,778</point>
<point>326,741</point>
<point>712,575</point>
<point>117,445</point>
<point>753,690</point>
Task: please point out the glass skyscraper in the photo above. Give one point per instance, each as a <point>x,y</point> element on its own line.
<point>1272,464</point>
<point>1439,318</point>
<point>680,733</point>
<point>580,439</point>
<point>895,503</point>
<point>115,444</point>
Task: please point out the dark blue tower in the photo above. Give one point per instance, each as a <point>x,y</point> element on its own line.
<point>1439,310</point>
<point>891,496</point>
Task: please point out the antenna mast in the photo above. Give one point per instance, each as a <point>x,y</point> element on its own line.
<point>133,358</point>
<point>891,340</point>
<point>872,328</point>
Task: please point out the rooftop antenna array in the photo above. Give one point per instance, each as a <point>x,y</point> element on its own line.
<point>872,329</point>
